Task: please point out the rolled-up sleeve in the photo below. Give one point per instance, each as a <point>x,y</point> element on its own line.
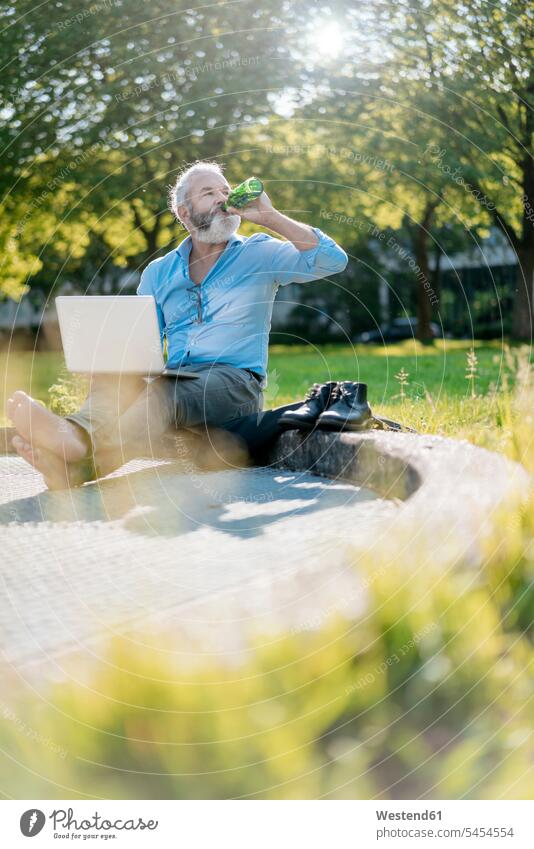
<point>289,265</point>
<point>146,288</point>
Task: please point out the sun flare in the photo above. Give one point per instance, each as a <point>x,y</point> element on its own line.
<point>326,38</point>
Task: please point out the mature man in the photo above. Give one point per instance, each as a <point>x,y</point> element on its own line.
<point>214,296</point>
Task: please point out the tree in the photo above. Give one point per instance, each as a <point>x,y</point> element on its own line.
<point>112,100</point>
<point>475,63</point>
<point>444,90</point>
<point>495,79</point>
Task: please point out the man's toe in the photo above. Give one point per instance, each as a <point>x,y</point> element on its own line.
<point>23,447</point>
<point>19,397</point>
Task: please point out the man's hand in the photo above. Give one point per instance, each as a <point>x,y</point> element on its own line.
<point>260,211</point>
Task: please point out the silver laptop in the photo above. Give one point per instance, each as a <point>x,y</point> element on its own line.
<point>109,334</point>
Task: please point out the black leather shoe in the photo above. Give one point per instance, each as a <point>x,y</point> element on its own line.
<point>348,410</point>
<point>318,397</point>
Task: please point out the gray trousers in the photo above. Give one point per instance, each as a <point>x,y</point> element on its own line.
<point>126,415</point>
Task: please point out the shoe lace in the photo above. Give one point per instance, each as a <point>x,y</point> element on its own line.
<point>340,391</point>
<point>313,391</point>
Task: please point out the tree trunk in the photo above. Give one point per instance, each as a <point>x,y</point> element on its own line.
<point>522,310</point>
<point>436,275</point>
<point>152,239</point>
<point>383,300</point>
<point>151,236</point>
<point>522,307</point>
<point>424,305</point>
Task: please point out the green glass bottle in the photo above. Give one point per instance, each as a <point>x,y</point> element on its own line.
<point>244,193</point>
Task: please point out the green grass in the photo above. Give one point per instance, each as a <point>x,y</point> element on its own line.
<point>437,371</point>
<point>429,695</point>
<point>437,396</point>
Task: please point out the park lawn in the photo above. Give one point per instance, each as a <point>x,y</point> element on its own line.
<point>438,369</point>
<point>436,397</point>
<point>448,719</point>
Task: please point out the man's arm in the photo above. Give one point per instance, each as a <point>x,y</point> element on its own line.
<point>309,254</point>
<point>302,236</point>
<point>262,212</point>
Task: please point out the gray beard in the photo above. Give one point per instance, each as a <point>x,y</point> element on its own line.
<point>213,229</point>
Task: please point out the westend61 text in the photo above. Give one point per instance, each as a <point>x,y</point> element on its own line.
<point>408,815</point>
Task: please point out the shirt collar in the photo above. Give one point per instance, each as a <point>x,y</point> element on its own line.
<point>184,248</point>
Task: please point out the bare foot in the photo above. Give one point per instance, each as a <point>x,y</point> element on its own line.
<point>43,429</point>
<point>56,472</point>
<point>53,469</point>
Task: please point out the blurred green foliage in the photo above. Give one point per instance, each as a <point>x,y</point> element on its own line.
<point>345,111</point>
<point>427,695</point>
<point>68,393</point>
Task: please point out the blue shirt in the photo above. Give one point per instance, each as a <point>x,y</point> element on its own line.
<point>227,318</point>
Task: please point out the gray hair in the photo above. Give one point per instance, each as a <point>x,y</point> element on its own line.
<point>178,194</point>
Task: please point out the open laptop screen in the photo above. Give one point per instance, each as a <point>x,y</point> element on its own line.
<point>110,334</point>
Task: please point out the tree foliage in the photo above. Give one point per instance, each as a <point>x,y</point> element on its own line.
<point>415,115</point>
